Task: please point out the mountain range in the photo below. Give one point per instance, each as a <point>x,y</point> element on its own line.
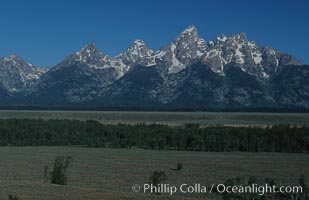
<point>190,72</point>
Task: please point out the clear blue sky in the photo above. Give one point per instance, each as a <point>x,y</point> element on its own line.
<point>46,31</point>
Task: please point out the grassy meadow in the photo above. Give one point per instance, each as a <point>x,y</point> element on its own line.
<point>103,173</point>
<point>169,118</point>
<point>109,173</point>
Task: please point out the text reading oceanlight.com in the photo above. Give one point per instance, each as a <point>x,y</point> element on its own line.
<point>220,188</point>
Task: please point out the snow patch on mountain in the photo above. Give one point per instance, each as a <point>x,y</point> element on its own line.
<point>18,75</point>
<point>186,49</point>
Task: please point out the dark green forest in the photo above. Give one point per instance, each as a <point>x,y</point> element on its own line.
<point>190,137</point>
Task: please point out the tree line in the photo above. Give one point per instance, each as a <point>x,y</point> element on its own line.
<point>34,132</point>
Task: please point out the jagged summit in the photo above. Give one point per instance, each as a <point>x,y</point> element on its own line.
<point>136,53</point>
<point>241,35</point>
<point>15,60</point>
<point>89,54</point>
<point>190,34</point>
<point>16,74</point>
<point>188,72</point>
<point>139,42</point>
<point>191,30</point>
<point>90,46</point>
<point>89,49</point>
<point>14,55</point>
<point>139,47</point>
<point>188,48</point>
<point>185,49</point>
<point>220,39</point>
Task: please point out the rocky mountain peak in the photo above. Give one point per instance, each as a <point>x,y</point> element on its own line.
<point>90,55</point>
<point>90,47</point>
<point>88,51</point>
<point>14,56</point>
<point>189,35</point>
<point>220,39</point>
<point>240,36</point>
<point>138,47</point>
<point>16,61</point>
<point>16,74</point>
<point>185,49</point>
<point>228,71</point>
<point>139,42</point>
<point>191,30</point>
<point>136,53</point>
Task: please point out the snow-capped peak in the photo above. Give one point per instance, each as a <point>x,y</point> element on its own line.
<point>221,38</point>
<point>139,47</point>
<point>240,52</point>
<point>90,46</point>
<point>139,42</point>
<point>240,36</point>
<point>191,30</point>
<point>89,54</point>
<point>136,53</point>
<point>16,74</point>
<point>15,60</point>
<point>88,50</point>
<point>190,34</point>
<point>14,56</point>
<point>186,49</point>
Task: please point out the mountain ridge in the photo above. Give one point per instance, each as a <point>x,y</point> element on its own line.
<point>229,71</point>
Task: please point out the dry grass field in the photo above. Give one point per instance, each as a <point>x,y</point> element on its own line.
<point>103,173</point>
<point>169,118</point>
